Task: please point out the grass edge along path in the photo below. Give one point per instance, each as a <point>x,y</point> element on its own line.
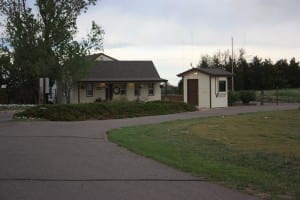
<point>257,153</point>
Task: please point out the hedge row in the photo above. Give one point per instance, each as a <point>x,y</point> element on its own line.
<point>105,110</point>
<point>245,96</point>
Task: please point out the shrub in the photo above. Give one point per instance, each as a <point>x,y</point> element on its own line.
<point>98,100</point>
<point>105,110</point>
<point>233,97</point>
<point>247,95</point>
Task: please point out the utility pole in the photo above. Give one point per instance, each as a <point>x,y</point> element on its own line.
<point>44,91</point>
<point>232,61</point>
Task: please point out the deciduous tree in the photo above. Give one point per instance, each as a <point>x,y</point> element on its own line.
<point>36,37</point>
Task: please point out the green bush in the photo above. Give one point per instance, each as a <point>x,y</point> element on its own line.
<point>247,95</point>
<point>105,110</point>
<point>233,97</point>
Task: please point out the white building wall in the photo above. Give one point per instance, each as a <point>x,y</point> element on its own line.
<point>219,99</point>
<point>144,95</point>
<point>100,92</point>
<point>130,92</point>
<point>203,89</point>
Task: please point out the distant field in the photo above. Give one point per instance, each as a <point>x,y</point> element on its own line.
<point>257,153</point>
<point>284,95</point>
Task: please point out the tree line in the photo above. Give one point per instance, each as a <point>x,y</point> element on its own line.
<point>255,73</point>
<point>38,40</point>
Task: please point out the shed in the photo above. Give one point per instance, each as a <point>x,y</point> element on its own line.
<point>206,87</point>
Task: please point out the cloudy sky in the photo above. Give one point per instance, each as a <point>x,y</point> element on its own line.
<point>174,34</point>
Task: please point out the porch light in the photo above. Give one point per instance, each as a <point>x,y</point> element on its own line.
<point>101,85</point>
<point>130,85</point>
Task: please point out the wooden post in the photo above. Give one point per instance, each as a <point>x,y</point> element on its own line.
<point>277,95</point>
<point>78,92</point>
<point>44,91</point>
<point>262,97</point>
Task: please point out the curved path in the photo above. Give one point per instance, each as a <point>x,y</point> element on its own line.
<point>73,160</point>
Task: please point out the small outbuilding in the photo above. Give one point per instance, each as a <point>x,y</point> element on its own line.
<point>206,87</point>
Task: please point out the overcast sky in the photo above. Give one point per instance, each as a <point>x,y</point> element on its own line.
<point>174,34</point>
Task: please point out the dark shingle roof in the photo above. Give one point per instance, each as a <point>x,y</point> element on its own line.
<point>209,71</point>
<point>123,71</point>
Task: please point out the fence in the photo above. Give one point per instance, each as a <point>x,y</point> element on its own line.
<point>172,97</point>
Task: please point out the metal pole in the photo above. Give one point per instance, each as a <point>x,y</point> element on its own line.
<point>44,88</point>
<point>277,95</point>
<point>232,60</point>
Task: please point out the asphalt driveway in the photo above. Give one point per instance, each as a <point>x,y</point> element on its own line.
<point>73,160</point>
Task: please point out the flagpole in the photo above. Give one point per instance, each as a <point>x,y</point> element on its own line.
<point>232,60</point>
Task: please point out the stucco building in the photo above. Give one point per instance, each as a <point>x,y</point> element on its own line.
<point>205,87</point>
<point>111,79</point>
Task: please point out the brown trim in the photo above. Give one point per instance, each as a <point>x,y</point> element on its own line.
<point>216,87</point>
<point>193,91</point>
<point>109,91</point>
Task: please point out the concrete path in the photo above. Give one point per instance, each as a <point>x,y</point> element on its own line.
<point>73,160</point>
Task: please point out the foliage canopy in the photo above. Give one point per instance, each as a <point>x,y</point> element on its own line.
<point>40,41</point>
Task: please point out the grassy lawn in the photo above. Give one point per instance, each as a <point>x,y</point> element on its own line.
<point>257,153</point>
<point>105,110</point>
<point>284,95</point>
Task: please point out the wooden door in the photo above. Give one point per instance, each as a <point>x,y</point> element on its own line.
<point>109,91</point>
<point>192,92</point>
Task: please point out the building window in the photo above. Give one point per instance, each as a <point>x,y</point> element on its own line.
<point>222,86</point>
<point>123,89</point>
<point>89,89</point>
<point>151,89</point>
<point>137,89</point>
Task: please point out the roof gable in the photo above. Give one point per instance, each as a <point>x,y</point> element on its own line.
<point>104,57</point>
<point>208,71</point>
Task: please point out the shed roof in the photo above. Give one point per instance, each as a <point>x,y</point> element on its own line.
<point>208,71</point>
<point>123,71</point>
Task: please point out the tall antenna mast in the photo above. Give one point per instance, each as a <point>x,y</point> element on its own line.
<point>232,61</point>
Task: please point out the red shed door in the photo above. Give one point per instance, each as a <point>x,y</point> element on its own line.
<point>192,91</point>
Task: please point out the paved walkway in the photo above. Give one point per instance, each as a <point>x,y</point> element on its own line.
<point>73,160</point>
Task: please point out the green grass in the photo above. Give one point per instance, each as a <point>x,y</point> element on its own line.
<point>106,110</point>
<point>256,153</point>
<point>284,95</point>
